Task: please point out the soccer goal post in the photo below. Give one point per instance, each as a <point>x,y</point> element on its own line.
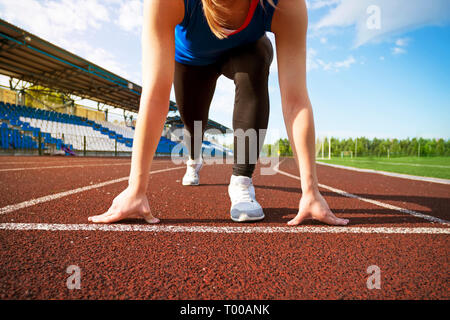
<point>323,147</point>
<point>346,154</point>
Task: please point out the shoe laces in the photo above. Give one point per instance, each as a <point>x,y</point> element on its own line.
<point>190,170</point>
<point>242,193</point>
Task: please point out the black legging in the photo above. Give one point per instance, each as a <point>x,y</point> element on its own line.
<point>248,66</point>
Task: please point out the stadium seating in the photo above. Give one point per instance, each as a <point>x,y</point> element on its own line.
<point>126,132</point>
<point>165,146</point>
<point>22,126</point>
<point>13,138</point>
<point>61,129</point>
<point>216,149</point>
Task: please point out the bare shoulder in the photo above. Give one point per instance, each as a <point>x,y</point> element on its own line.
<point>171,11</point>
<point>289,14</point>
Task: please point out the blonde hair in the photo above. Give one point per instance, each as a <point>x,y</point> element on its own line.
<point>214,10</point>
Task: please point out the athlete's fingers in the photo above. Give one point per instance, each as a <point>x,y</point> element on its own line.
<point>110,212</point>
<point>331,219</point>
<point>91,218</point>
<point>105,214</point>
<point>341,222</point>
<point>299,218</point>
<point>97,218</point>
<point>149,218</point>
<point>105,218</point>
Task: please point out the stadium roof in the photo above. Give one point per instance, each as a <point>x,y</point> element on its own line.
<point>176,120</point>
<point>27,57</point>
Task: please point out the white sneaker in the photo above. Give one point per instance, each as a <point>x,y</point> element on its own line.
<point>191,177</point>
<point>244,206</point>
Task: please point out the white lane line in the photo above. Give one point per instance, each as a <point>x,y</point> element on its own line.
<point>403,164</point>
<point>211,229</point>
<point>67,166</point>
<point>29,203</point>
<point>375,202</point>
<point>414,164</point>
<point>386,173</point>
<point>61,161</point>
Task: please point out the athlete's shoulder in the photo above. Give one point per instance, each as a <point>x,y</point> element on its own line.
<point>289,13</point>
<point>172,10</point>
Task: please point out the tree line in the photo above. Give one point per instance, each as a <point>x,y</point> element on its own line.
<point>375,147</point>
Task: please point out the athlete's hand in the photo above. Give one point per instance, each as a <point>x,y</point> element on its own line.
<point>313,206</point>
<point>127,204</point>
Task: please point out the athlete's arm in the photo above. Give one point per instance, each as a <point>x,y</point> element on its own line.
<point>158,56</point>
<point>289,24</point>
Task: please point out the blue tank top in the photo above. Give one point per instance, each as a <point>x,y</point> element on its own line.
<point>195,44</point>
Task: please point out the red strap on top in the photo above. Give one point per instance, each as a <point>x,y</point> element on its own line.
<point>253,6</point>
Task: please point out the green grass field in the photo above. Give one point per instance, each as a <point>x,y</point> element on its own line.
<point>436,167</point>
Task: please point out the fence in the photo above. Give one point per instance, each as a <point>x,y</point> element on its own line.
<point>13,139</point>
<point>383,148</point>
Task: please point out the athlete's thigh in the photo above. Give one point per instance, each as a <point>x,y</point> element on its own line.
<point>194,88</point>
<point>252,58</point>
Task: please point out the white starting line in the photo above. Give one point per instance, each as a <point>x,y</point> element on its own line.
<point>61,161</point>
<point>216,229</point>
<point>68,166</point>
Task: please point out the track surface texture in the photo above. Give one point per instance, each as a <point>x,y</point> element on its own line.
<point>196,252</point>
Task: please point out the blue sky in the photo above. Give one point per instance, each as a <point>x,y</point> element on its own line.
<point>376,68</point>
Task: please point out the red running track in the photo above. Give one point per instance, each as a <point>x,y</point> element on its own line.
<point>197,252</point>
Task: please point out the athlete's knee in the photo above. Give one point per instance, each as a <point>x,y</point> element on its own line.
<point>261,54</point>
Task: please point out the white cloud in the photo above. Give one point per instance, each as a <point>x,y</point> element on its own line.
<point>311,62</point>
<point>402,42</point>
<point>400,47</point>
<point>108,61</point>
<point>326,66</point>
<point>398,50</point>
<point>52,20</point>
<point>345,63</point>
<point>314,62</point>
<point>66,23</point>
<point>319,4</point>
<point>395,17</point>
<point>130,15</point>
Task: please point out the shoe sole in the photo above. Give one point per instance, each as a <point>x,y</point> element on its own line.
<point>190,184</point>
<point>243,217</point>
